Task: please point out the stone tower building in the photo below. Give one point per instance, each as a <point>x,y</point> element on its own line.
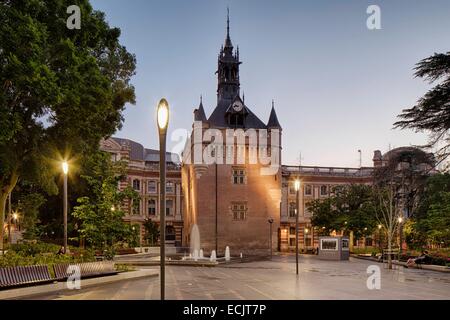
<point>231,172</point>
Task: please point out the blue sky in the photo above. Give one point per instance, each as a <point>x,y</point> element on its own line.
<point>337,85</point>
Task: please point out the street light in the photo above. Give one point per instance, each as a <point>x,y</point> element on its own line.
<point>163,121</point>
<point>270,221</point>
<point>379,236</point>
<point>297,193</point>
<point>400,234</point>
<point>65,168</point>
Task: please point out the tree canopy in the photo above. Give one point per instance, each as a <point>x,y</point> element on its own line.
<point>432,111</point>
<point>99,216</point>
<point>348,209</point>
<point>62,90</point>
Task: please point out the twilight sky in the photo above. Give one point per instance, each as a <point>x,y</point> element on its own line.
<point>337,85</point>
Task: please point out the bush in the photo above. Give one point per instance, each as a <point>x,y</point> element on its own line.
<point>13,259</point>
<point>32,249</point>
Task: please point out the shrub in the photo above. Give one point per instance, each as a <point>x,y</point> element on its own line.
<point>32,249</point>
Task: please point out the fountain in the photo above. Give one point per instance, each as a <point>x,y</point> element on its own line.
<point>201,254</point>
<point>227,253</point>
<point>213,256</point>
<point>195,238</point>
<point>195,255</point>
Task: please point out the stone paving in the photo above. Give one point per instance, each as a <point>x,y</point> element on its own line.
<point>276,279</point>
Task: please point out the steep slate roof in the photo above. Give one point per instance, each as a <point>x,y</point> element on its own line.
<point>199,114</point>
<point>138,152</point>
<point>218,119</point>
<point>273,119</point>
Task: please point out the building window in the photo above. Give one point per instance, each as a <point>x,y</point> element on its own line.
<point>169,207</point>
<point>170,187</point>
<point>239,211</point>
<point>292,209</point>
<point>308,190</point>
<point>238,176</point>
<point>114,157</point>
<point>151,207</point>
<point>306,211</point>
<point>292,230</point>
<point>368,242</point>
<point>292,242</point>
<point>136,207</point>
<point>151,186</point>
<point>291,188</point>
<point>308,242</point>
<point>323,190</point>
<point>136,184</point>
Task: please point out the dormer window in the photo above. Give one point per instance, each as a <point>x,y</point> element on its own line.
<point>236,119</point>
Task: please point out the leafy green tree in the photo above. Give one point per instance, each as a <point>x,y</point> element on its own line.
<point>432,111</point>
<point>432,221</point>
<point>29,207</point>
<point>348,209</point>
<point>100,216</point>
<point>61,90</point>
<point>151,231</point>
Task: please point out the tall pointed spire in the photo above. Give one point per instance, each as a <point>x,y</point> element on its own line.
<point>228,23</point>
<point>228,44</point>
<point>273,119</point>
<point>199,114</point>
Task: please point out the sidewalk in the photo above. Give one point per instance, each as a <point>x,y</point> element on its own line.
<point>400,263</point>
<point>62,286</point>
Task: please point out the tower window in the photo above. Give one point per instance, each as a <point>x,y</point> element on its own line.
<point>236,119</point>
<point>238,176</point>
<point>239,211</point>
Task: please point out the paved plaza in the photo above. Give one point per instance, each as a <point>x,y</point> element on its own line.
<point>275,279</point>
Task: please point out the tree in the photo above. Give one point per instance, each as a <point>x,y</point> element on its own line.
<point>151,231</point>
<point>432,222</point>
<point>387,213</point>
<point>100,215</point>
<point>348,209</point>
<point>29,207</point>
<point>432,111</point>
<point>61,90</point>
<point>406,170</point>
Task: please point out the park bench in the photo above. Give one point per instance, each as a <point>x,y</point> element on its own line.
<point>394,253</point>
<point>24,275</point>
<point>87,269</point>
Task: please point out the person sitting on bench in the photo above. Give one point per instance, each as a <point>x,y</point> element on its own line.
<point>423,258</point>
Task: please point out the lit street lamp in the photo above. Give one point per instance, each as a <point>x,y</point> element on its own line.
<point>379,236</point>
<point>65,168</point>
<point>297,189</point>
<point>400,234</point>
<point>304,240</point>
<point>163,121</point>
<point>270,221</point>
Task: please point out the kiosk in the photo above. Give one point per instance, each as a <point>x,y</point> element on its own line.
<point>334,248</point>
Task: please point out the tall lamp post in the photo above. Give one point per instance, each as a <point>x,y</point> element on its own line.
<point>304,240</point>
<point>400,234</point>
<point>65,168</point>
<point>379,236</point>
<point>270,221</point>
<point>297,189</point>
<point>163,121</point>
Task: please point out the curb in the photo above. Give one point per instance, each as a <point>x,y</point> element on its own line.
<point>23,293</point>
<point>422,267</point>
